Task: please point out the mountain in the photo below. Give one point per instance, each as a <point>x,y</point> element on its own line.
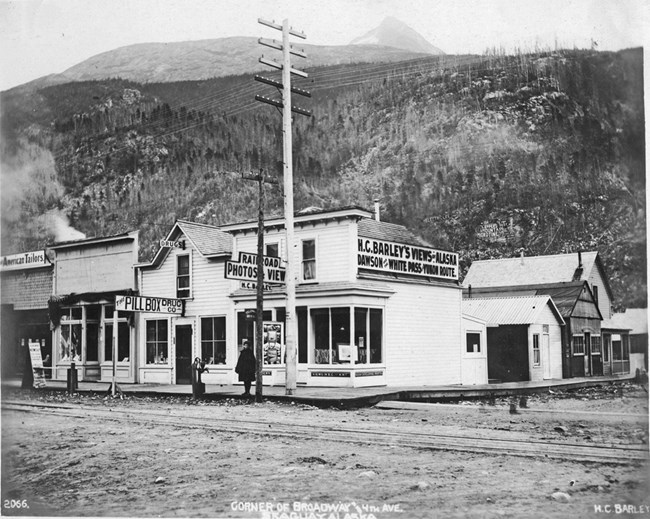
<point>481,155</point>
<point>394,33</point>
<point>204,59</point>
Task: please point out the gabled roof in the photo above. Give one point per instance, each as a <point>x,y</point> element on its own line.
<point>565,295</point>
<point>208,240</point>
<point>378,230</point>
<point>510,310</point>
<point>633,319</point>
<point>535,270</point>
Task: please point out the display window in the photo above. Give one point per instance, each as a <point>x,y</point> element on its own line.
<point>157,339</point>
<point>351,335</point>
<point>93,319</point>
<point>123,335</point>
<point>70,344</point>
<point>213,340</point>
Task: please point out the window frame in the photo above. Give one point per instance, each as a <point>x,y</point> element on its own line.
<point>596,339</point>
<point>537,353</point>
<point>213,341</point>
<point>178,276</point>
<point>303,279</point>
<point>122,321</point>
<point>167,342</point>
<point>574,344</point>
<point>70,321</point>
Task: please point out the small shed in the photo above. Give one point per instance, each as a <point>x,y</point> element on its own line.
<point>524,336</point>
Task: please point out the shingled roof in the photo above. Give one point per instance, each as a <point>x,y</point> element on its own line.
<point>378,230</point>
<point>530,270</point>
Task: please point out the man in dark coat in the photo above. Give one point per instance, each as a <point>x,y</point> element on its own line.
<point>246,367</point>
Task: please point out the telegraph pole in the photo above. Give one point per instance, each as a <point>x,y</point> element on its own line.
<point>259,310</point>
<point>286,89</point>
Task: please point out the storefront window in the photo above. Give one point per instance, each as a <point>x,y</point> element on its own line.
<point>213,340</point>
<point>331,328</point>
<point>123,335</point>
<point>93,314</point>
<point>70,346</point>
<point>157,341</point>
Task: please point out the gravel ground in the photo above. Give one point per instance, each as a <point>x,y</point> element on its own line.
<point>62,466</point>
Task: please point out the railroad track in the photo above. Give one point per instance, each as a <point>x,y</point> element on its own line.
<point>385,436</point>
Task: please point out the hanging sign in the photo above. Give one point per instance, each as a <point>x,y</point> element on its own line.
<point>399,258</point>
<point>246,269</point>
<point>160,305</point>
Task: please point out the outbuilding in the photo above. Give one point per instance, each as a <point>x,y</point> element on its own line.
<point>524,337</point>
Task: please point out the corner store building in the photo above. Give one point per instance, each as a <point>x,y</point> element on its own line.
<point>374,304</point>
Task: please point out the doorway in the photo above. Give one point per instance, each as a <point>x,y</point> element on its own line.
<point>184,354</point>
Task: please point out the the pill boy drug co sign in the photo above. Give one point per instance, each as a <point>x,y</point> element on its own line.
<point>160,305</point>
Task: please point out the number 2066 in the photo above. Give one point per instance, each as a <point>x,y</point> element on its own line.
<point>15,503</point>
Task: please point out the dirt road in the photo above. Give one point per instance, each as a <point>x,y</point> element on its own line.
<point>174,457</point>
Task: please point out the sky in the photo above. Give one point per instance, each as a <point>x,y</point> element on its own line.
<point>41,37</point>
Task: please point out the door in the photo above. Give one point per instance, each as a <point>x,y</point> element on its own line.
<point>546,355</point>
<point>587,357</point>
<point>183,340</point>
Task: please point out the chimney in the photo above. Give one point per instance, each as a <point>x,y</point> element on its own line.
<point>377,209</point>
<point>579,259</point>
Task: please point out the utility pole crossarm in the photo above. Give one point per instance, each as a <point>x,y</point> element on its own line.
<point>278,46</point>
<point>278,27</point>
<point>279,66</point>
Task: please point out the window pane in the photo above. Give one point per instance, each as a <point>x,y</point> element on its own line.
<point>76,313</point>
<point>123,342</point>
<point>360,334</point>
<point>376,324</point>
<point>93,312</point>
<point>272,250</point>
<point>473,342</point>
<point>92,342</point>
<point>183,265</point>
<point>301,315</point>
<point>308,249</point>
<point>321,327</point>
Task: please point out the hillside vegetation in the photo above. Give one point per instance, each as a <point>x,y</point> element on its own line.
<point>486,156</point>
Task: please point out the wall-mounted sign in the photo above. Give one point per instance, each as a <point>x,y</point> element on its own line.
<point>37,363</point>
<point>246,269</point>
<point>160,305</point>
<point>252,285</point>
<point>180,244</point>
<point>400,258</point>
<point>25,260</point>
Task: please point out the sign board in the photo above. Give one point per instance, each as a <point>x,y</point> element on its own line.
<point>273,342</point>
<point>37,363</point>
<point>173,244</point>
<point>160,305</point>
<point>25,260</point>
<point>252,285</point>
<point>399,258</point>
<point>246,269</point>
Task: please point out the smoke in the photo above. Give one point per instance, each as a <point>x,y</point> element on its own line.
<point>57,223</point>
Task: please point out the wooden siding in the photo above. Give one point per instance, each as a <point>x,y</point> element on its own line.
<point>95,268</point>
<point>423,328</point>
<point>27,289</point>
<point>555,345</point>
<point>604,303</point>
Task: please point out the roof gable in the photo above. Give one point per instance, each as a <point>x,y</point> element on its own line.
<point>633,319</point>
<point>208,240</point>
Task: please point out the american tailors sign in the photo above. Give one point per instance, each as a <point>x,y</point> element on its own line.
<point>161,305</point>
<point>400,258</point>
<point>25,260</point>
<point>246,269</point>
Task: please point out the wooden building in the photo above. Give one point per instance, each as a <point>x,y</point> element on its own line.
<point>26,286</point>
<point>524,337</point>
<point>88,275</point>
<point>579,288</point>
<point>359,280</point>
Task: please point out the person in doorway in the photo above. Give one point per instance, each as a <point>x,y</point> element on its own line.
<point>246,367</point>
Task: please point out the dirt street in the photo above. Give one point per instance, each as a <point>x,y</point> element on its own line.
<point>103,462</point>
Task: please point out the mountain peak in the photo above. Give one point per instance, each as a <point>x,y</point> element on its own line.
<point>392,32</point>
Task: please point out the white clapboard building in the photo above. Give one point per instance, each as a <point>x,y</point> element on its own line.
<point>375,305</point>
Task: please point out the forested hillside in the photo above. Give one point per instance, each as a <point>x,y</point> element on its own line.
<point>486,156</point>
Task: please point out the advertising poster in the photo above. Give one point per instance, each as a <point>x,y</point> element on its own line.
<point>37,363</point>
<point>273,343</point>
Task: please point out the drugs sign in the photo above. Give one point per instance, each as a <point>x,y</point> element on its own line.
<point>160,305</point>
